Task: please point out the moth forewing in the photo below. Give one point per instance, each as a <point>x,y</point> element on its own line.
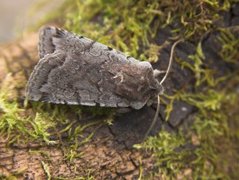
<point>77,70</point>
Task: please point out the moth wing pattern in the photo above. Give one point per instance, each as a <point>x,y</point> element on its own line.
<point>76,70</point>
<point>45,45</point>
<point>52,39</point>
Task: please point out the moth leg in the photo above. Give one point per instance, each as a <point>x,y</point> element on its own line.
<point>157,72</point>
<point>150,102</point>
<point>154,119</point>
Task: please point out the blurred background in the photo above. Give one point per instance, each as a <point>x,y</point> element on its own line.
<point>17,16</point>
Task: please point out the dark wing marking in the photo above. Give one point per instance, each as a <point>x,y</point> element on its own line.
<point>52,39</point>
<point>46,45</point>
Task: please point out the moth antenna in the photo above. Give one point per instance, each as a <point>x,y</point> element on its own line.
<point>170,61</point>
<point>161,82</point>
<point>154,119</point>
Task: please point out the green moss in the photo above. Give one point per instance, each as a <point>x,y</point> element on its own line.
<point>164,146</point>
<point>8,177</point>
<point>46,170</point>
<point>11,115</point>
<point>211,136</point>
<point>230,46</point>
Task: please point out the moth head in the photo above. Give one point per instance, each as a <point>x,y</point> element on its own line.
<point>159,86</point>
<point>155,86</point>
<point>136,81</point>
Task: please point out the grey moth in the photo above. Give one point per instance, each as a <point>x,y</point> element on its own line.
<point>76,70</point>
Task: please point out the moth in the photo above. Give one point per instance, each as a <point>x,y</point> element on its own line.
<point>76,70</point>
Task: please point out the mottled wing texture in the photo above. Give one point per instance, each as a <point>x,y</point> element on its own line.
<point>77,70</point>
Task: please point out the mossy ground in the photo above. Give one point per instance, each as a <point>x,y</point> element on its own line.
<point>131,26</point>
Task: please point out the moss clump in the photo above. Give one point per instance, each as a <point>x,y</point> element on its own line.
<point>16,123</point>
<point>169,156</point>
<point>230,46</point>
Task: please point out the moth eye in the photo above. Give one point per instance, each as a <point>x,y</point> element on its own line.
<point>109,48</point>
<point>80,37</point>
